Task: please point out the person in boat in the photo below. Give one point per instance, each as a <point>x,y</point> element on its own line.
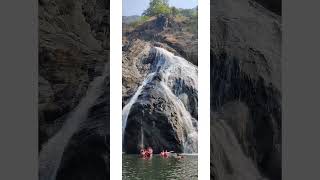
<point>164,154</point>
<point>146,153</point>
<point>142,152</point>
<point>149,152</point>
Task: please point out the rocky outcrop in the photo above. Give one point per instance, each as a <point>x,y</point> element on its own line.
<point>135,66</point>
<point>170,31</point>
<point>73,51</point>
<point>157,116</point>
<point>245,89</point>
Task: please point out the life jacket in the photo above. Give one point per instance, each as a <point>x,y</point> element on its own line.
<point>166,154</point>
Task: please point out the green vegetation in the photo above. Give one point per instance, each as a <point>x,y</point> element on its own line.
<point>161,7</point>
<point>189,16</point>
<point>141,20</point>
<point>193,19</point>
<point>193,25</point>
<point>189,12</point>
<point>157,7</point>
<point>174,11</point>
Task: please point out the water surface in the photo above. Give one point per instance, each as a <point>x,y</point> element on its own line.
<point>157,168</point>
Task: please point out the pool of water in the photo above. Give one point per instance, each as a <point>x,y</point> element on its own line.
<point>158,168</point>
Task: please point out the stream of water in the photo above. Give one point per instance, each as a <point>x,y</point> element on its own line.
<point>52,152</point>
<point>228,151</point>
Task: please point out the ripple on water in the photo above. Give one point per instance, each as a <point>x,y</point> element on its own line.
<point>158,168</point>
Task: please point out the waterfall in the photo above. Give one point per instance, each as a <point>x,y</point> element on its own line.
<point>230,163</point>
<point>51,154</point>
<point>190,144</point>
<point>127,107</point>
<point>171,68</point>
<point>141,131</point>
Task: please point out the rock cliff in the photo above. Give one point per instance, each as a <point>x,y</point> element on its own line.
<point>73,52</point>
<point>245,90</point>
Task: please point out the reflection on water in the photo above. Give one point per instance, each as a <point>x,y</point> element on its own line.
<point>157,168</point>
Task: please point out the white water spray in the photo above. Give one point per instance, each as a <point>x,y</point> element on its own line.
<point>173,67</point>
<point>142,136</point>
<point>228,151</point>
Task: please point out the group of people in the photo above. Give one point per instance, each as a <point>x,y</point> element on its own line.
<point>147,154</point>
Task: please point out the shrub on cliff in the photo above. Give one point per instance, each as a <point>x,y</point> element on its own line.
<point>157,7</point>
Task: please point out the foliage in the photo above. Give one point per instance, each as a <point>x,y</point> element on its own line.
<point>161,7</point>
<point>189,12</point>
<point>140,21</point>
<point>174,11</point>
<point>193,24</point>
<point>157,7</point>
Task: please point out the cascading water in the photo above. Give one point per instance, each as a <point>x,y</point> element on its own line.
<point>51,154</point>
<point>171,68</point>
<point>230,163</point>
<point>142,136</point>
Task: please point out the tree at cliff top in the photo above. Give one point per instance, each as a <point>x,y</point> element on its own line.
<point>157,7</point>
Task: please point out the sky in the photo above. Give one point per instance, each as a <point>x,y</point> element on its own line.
<point>136,7</point>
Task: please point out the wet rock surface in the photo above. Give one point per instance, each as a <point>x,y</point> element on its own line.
<point>73,51</point>
<point>156,115</point>
<point>90,144</point>
<point>245,90</point>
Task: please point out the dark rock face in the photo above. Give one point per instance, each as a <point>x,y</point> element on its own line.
<point>245,89</point>
<point>273,5</point>
<point>73,51</point>
<point>90,145</point>
<point>157,116</point>
<point>96,13</point>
